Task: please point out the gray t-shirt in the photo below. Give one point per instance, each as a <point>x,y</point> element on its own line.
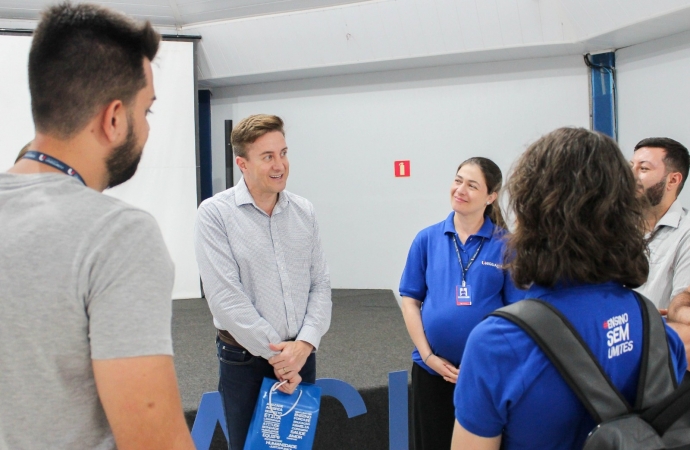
<point>82,276</point>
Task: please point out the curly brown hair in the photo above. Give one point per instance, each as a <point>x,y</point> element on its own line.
<point>577,216</point>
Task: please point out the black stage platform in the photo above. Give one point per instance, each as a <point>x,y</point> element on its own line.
<point>367,340</point>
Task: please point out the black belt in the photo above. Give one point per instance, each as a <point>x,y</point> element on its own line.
<point>227,338</point>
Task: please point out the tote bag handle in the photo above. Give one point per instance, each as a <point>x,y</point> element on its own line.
<point>274,388</point>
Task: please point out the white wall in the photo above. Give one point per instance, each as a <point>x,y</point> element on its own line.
<point>654,94</point>
<point>16,123</point>
<point>345,132</point>
<point>165,183</point>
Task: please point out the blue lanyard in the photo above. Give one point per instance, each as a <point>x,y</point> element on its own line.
<point>463,269</point>
<point>53,162</point>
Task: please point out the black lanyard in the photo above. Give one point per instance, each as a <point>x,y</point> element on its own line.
<point>463,269</point>
<point>53,162</point>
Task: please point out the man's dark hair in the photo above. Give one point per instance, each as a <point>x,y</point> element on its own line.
<point>677,158</point>
<point>578,219</point>
<point>82,58</point>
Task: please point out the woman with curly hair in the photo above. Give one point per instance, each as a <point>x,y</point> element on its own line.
<point>453,277</point>
<point>579,246</point>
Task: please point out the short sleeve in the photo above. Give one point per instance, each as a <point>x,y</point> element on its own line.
<point>413,280</point>
<point>128,299</point>
<point>681,263</point>
<point>489,380</point>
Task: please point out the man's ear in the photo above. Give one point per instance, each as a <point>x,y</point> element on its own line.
<point>241,163</point>
<point>674,180</point>
<point>114,122</point>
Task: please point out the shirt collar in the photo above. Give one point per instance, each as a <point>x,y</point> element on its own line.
<point>539,291</point>
<point>486,231</point>
<point>672,217</point>
<point>244,197</point>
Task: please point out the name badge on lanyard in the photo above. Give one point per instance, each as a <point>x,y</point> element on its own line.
<point>463,292</point>
<point>462,295</point>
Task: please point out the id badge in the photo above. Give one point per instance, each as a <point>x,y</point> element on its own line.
<point>462,295</point>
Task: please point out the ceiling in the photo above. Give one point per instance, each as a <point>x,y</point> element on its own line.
<point>176,13</point>
<point>253,41</point>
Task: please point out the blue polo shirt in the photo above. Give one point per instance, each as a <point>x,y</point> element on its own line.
<point>508,386</point>
<point>432,275</point>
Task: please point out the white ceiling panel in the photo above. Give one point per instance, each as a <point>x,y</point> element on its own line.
<point>214,10</point>
<point>489,23</point>
<point>241,42</point>
<point>375,31</point>
<point>555,23</point>
<point>654,28</point>
<point>324,39</point>
<point>311,50</point>
<point>415,40</point>
<point>203,64</point>
<point>429,32</point>
<point>244,41</point>
<point>509,18</point>
<point>530,22</point>
<point>301,49</point>
<point>470,25</point>
<point>585,17</point>
<point>349,41</point>
<point>177,12</point>
<point>449,25</point>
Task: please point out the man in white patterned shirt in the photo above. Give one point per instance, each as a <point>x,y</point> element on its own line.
<point>661,167</point>
<point>264,273</point>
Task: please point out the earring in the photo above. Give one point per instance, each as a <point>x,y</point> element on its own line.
<point>488,203</point>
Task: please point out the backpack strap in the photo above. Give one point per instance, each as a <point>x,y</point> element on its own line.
<point>667,412</point>
<point>573,359</point>
<point>657,375</point>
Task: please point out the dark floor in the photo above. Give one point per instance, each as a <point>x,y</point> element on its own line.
<point>366,341</point>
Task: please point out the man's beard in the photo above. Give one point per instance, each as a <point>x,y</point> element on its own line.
<point>655,193</point>
<point>122,163</point>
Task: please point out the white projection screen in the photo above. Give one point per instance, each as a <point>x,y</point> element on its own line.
<point>165,184</point>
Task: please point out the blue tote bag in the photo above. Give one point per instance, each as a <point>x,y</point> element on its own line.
<point>284,422</point>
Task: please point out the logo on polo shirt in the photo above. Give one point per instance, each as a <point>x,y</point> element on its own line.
<point>488,263</point>
<point>618,335</point>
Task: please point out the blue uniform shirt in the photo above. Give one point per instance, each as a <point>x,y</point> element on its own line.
<point>432,275</point>
<point>508,386</point>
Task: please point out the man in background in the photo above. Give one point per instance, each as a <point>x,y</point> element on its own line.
<point>85,279</point>
<point>264,273</point>
<point>22,152</point>
<point>661,167</point>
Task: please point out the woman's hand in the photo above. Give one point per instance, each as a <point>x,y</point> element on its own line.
<point>444,368</point>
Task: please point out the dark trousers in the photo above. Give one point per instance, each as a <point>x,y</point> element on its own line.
<point>433,413</point>
<point>241,375</point>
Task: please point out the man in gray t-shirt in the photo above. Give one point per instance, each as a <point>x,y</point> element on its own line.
<point>82,276</point>
<point>85,279</point>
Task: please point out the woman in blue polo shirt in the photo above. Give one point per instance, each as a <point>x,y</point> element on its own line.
<point>453,277</point>
<point>578,245</point>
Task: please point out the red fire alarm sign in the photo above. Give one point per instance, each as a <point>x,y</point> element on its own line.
<point>402,168</point>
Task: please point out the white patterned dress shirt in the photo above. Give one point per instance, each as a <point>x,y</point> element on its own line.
<point>265,277</point>
<point>669,257</point>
